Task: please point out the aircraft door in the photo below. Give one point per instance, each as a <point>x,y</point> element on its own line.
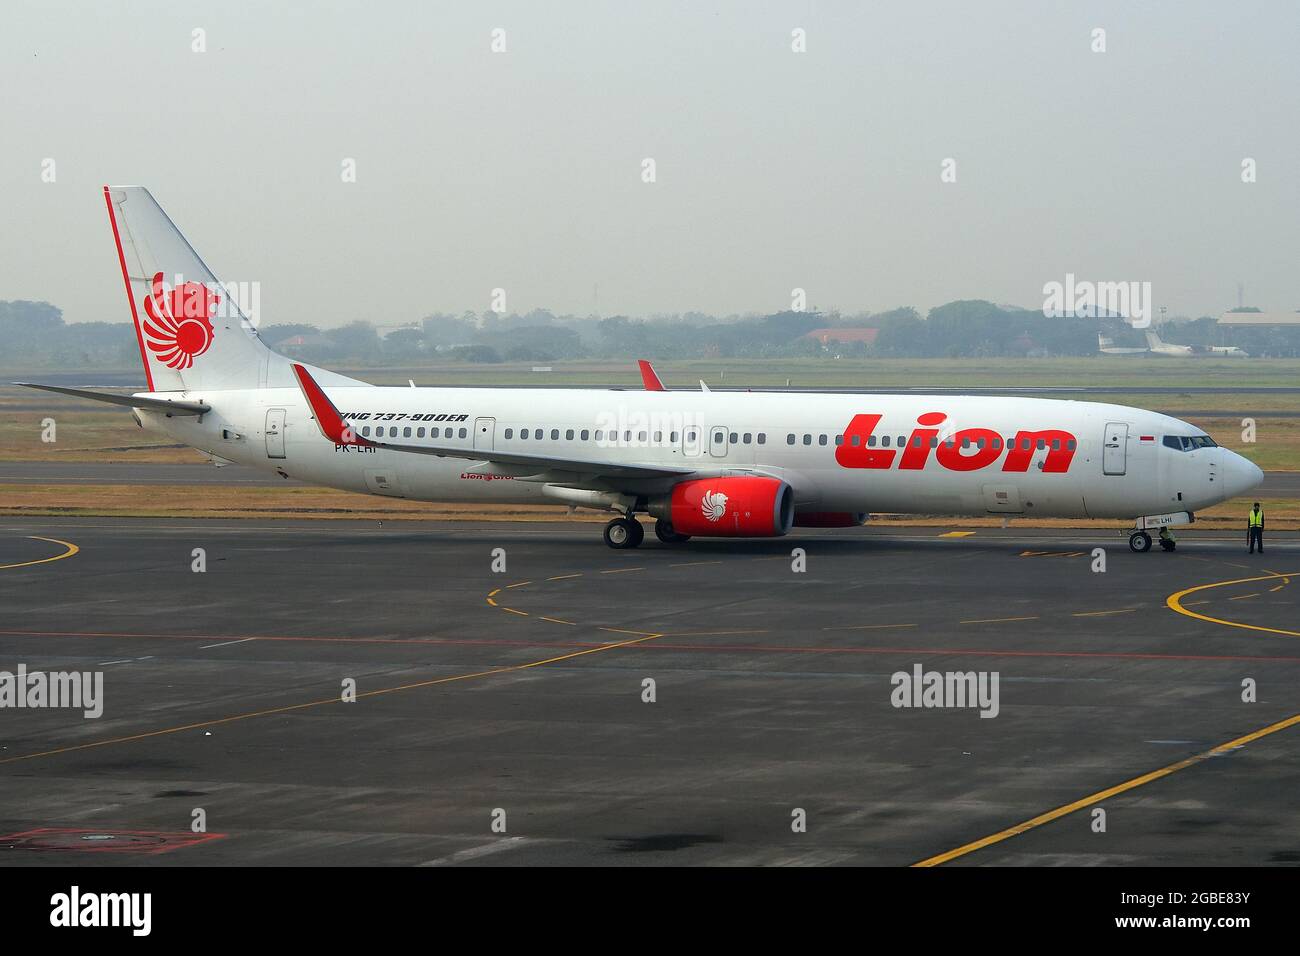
<point>1114,452</point>
<point>275,433</point>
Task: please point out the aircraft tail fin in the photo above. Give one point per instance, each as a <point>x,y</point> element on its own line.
<point>191,331</point>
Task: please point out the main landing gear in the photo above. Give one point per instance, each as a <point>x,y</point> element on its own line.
<point>627,532</point>
<point>624,533</point>
<point>665,533</point>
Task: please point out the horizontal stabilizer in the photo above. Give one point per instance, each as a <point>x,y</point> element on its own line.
<point>170,405</point>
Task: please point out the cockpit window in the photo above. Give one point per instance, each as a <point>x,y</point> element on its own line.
<point>1189,442</point>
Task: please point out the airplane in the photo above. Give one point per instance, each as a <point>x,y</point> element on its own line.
<point>1157,347</point>
<point>701,463</point>
<point>1106,346</point>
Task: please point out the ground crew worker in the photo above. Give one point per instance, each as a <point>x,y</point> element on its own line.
<point>1255,528</point>
<point>1167,539</point>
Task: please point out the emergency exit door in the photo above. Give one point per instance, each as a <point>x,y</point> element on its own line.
<point>718,441</point>
<point>484,433</point>
<point>1114,451</point>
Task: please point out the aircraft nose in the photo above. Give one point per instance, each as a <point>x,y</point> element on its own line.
<point>1241,475</point>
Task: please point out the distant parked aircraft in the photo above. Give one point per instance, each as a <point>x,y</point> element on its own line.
<point>1106,345</point>
<point>1222,351</point>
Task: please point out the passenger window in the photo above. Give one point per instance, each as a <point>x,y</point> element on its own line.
<point>734,438</point>
<point>406,432</point>
<point>366,430</point>
<point>762,438</point>
<point>537,433</point>
<point>1024,444</point>
<point>1071,444</point>
<point>747,438</point>
<point>659,438</point>
<point>380,431</point>
<point>979,443</point>
<point>600,436</point>
<point>997,444</point>
<point>857,441</point>
<point>672,438</point>
<point>568,435</point>
<point>965,443</point>
<point>1056,444</point>
<point>871,441</point>
<point>1041,444</point>
<point>934,441</point>
<point>807,439</point>
<point>884,441</point>
<point>718,438</point>
<point>419,433</point>
<point>585,434</point>
<point>789,439</point>
<point>510,433</point>
<point>640,437</point>
<point>916,442</point>
<point>821,439</point>
<point>839,439</point>
<point>555,434</point>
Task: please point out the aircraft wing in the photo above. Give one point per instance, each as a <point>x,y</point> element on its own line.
<point>334,428</point>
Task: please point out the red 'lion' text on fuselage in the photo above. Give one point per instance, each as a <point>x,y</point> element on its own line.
<point>966,450</point>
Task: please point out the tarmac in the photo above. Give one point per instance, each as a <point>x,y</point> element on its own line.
<point>503,716</point>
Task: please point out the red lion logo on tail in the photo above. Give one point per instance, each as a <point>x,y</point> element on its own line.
<point>179,327</point>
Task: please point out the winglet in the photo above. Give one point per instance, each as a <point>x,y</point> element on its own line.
<point>648,377</point>
<point>328,419</point>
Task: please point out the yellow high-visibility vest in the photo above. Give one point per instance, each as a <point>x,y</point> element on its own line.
<point>1256,518</point>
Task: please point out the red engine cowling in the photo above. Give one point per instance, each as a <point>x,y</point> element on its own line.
<point>738,507</point>
<point>829,519</point>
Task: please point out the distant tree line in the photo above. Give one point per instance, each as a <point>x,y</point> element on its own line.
<point>34,334</point>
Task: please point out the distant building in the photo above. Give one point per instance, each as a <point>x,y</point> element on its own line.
<point>827,336</point>
<point>1260,318</point>
<point>294,344</point>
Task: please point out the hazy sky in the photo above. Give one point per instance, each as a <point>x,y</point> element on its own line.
<point>775,169</point>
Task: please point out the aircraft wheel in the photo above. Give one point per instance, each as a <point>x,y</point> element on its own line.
<point>665,533</point>
<point>624,533</point>
<point>1139,541</point>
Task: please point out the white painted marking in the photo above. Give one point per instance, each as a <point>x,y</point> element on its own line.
<point>474,852</point>
<point>227,643</point>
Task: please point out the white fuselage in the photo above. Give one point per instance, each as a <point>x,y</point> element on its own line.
<point>1071,459</point>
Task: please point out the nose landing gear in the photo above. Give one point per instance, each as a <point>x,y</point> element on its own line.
<point>1139,541</point>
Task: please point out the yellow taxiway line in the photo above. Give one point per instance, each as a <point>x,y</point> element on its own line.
<point>71,550</point>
